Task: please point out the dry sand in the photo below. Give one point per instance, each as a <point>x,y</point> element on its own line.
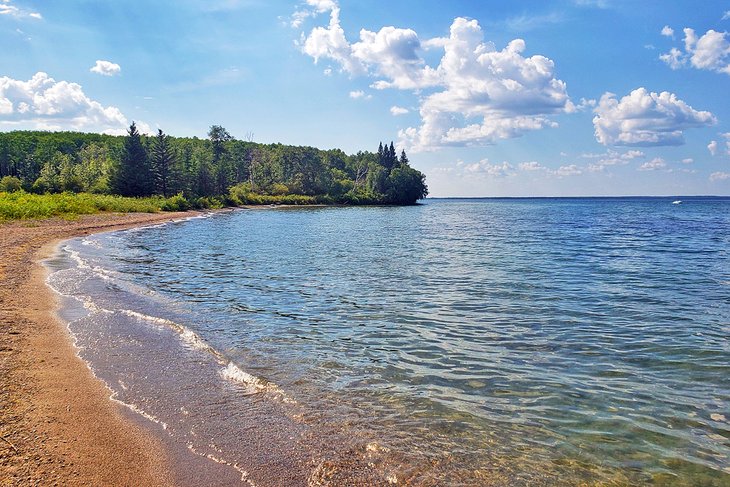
<point>57,424</point>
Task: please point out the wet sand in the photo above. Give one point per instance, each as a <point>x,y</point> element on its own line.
<point>57,423</point>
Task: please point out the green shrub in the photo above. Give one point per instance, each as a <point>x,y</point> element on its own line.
<point>176,203</point>
<point>10,184</point>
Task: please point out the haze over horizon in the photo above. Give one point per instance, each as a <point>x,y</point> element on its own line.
<point>560,98</point>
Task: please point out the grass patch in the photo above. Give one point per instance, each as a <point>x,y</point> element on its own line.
<point>20,205</point>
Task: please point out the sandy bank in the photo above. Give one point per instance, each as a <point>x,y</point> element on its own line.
<point>57,423</point>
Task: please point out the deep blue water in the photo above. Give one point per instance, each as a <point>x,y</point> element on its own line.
<point>473,342</point>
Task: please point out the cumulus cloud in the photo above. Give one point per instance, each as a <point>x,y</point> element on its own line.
<point>477,94</point>
<point>484,167</point>
<point>531,166</point>
<point>667,31</point>
<point>645,118</point>
<point>7,8</point>
<point>709,52</point>
<point>106,68</point>
<point>719,176</point>
<point>712,147</point>
<point>611,158</point>
<point>653,165</point>
<point>726,15</point>
<point>396,110</point>
<point>355,95</point>
<point>46,104</point>
<point>569,170</point>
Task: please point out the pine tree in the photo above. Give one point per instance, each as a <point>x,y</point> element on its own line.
<point>134,175</point>
<point>221,169</point>
<point>163,160</point>
<point>403,159</point>
<point>381,155</point>
<point>392,157</point>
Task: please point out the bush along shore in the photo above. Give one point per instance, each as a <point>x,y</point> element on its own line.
<point>46,174</point>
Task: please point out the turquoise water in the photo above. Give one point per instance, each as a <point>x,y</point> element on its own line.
<point>459,342</point>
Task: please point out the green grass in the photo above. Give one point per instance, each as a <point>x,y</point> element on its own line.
<point>20,205</point>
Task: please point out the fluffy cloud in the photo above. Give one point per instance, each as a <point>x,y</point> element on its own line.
<point>7,8</point>
<point>710,52</point>
<point>477,94</point>
<point>106,68</point>
<point>611,158</point>
<point>653,165</point>
<point>396,110</point>
<point>355,95</point>
<point>531,166</point>
<point>570,170</point>
<point>44,103</point>
<point>645,118</point>
<point>484,167</point>
<point>667,31</point>
<point>719,176</point>
<point>712,147</point>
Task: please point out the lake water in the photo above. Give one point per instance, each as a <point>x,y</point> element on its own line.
<point>458,342</point>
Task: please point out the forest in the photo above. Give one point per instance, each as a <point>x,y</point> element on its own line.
<point>217,170</point>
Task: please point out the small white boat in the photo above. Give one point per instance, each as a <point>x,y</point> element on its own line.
<point>677,202</point>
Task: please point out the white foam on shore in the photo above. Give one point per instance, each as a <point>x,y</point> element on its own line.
<point>210,456</point>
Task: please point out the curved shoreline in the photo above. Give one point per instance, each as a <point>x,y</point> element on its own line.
<point>57,423</point>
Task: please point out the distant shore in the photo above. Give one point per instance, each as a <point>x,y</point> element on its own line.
<point>57,424</point>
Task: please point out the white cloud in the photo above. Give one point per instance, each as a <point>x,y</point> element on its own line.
<point>46,104</point>
<point>327,72</point>
<point>7,8</point>
<point>726,15</point>
<point>531,166</point>
<point>611,158</point>
<point>480,94</point>
<point>653,165</point>
<point>667,31</point>
<point>688,160</point>
<point>396,110</point>
<point>330,42</point>
<point>645,118</point>
<point>570,170</point>
<point>484,167</point>
<point>710,52</point>
<point>719,176</point>
<point>355,95</point>
<point>712,147</point>
<point>106,68</point>
<point>674,58</point>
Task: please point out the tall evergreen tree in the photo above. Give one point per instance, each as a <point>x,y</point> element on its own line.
<point>392,157</point>
<point>381,155</point>
<point>221,167</point>
<point>134,175</point>
<point>403,162</point>
<point>163,160</point>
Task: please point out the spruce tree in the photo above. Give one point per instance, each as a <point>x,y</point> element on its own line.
<point>381,157</point>
<point>163,160</point>
<point>134,175</point>
<point>392,157</point>
<point>403,159</point>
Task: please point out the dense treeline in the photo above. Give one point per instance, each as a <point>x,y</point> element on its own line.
<point>219,168</point>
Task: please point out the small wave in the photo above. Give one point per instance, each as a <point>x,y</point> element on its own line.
<point>210,456</point>
<point>230,371</point>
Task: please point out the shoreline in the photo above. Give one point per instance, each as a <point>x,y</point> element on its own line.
<point>58,424</point>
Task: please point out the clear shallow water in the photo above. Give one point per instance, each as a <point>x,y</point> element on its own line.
<point>473,342</point>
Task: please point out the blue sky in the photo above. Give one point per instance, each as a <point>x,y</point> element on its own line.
<point>489,98</point>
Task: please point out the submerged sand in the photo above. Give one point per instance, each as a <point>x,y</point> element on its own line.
<point>57,424</point>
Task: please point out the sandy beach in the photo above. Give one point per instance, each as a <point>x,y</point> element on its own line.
<point>57,423</point>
